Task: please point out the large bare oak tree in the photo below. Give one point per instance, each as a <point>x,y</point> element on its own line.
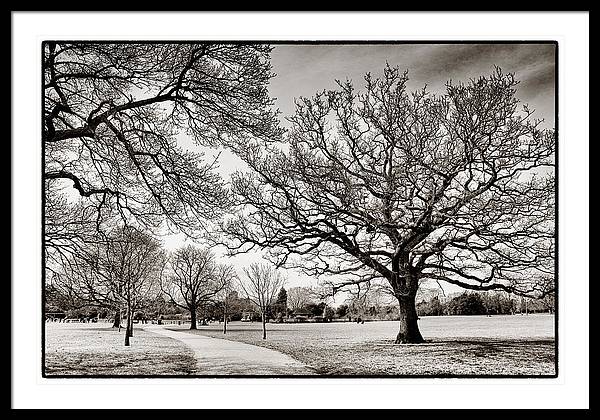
<point>402,187</point>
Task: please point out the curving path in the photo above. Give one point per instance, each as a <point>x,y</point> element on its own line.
<point>216,356</point>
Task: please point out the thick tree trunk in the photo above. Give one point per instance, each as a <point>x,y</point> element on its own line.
<point>225,322</point>
<point>117,323</point>
<point>264,325</point>
<point>409,329</point>
<point>194,323</point>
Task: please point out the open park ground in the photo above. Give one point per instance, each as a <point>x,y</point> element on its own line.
<point>455,345</point>
<point>97,349</point>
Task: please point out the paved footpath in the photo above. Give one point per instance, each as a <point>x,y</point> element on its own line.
<point>216,356</point>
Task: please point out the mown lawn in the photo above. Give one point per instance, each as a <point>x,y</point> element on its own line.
<point>98,349</point>
<point>455,346</point>
<point>460,346</point>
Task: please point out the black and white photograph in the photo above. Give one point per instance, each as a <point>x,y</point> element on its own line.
<point>299,209</point>
<point>347,216</point>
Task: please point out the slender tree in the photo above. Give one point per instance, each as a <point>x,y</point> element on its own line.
<point>129,265</point>
<point>119,272</point>
<point>228,301</point>
<point>260,286</point>
<point>194,278</point>
<point>388,185</point>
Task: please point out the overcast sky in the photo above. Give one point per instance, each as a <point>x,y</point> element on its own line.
<point>302,70</point>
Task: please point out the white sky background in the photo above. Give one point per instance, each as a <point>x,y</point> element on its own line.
<point>303,70</point>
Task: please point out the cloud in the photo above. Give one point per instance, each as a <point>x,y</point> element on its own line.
<point>302,70</point>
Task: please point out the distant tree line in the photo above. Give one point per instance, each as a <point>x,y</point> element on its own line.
<point>474,303</point>
<point>233,307</point>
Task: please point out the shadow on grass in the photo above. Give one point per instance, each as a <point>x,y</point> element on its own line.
<point>471,356</point>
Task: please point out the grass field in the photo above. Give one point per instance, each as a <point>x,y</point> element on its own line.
<point>456,345</point>
<point>97,349</point>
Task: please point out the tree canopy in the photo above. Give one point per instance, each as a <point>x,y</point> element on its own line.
<point>406,186</point>
<point>401,185</point>
<point>118,116</point>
